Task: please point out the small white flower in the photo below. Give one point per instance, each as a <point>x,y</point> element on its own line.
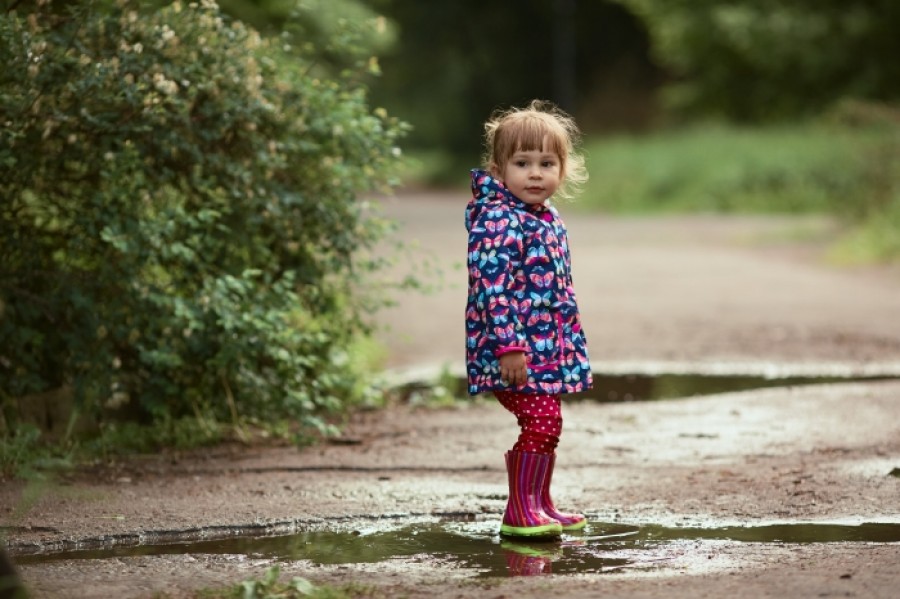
<point>166,86</point>
<point>117,400</point>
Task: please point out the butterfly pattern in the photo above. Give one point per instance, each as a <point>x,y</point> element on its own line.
<point>520,294</point>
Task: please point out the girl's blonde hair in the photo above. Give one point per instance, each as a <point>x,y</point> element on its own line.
<point>528,129</point>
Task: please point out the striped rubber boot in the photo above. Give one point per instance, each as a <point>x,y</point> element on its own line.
<point>524,516</point>
<point>566,521</point>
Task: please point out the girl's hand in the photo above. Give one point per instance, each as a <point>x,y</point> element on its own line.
<point>513,368</point>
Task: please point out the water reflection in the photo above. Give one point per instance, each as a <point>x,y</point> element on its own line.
<point>529,559</point>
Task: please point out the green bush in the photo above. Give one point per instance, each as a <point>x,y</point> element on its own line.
<point>179,227</point>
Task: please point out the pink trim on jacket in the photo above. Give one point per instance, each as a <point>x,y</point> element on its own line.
<point>506,349</point>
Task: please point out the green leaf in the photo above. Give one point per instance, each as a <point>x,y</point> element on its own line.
<point>303,586</point>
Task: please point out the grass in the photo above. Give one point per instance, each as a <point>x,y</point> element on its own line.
<point>25,454</point>
<point>787,169</point>
<point>270,586</point>
<point>875,240</point>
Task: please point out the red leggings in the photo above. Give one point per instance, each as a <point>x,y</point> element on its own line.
<point>539,416</point>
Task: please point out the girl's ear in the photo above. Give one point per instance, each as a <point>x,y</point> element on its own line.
<point>495,170</point>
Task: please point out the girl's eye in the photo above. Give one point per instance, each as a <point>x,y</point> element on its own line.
<point>548,163</point>
<point>520,163</point>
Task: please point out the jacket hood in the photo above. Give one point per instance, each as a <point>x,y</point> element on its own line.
<point>485,189</point>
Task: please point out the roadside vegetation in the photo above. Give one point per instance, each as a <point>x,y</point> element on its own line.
<point>807,87</point>
<point>182,237</point>
<point>851,173</point>
<point>270,586</point>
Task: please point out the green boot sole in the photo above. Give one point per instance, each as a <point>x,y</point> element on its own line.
<point>576,526</point>
<point>546,530</point>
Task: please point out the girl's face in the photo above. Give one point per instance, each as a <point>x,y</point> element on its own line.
<point>532,176</point>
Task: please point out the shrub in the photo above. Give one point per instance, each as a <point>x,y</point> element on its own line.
<point>179,227</point>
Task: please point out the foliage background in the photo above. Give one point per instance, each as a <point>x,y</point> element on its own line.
<point>754,61</point>
<point>180,223</point>
<point>453,63</point>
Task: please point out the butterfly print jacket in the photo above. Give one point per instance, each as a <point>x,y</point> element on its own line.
<point>520,294</point>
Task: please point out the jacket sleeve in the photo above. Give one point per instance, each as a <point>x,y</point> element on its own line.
<point>570,288</point>
<point>568,261</point>
<point>567,256</point>
<point>495,252</point>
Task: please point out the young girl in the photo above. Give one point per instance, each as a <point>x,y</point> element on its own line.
<point>524,338</point>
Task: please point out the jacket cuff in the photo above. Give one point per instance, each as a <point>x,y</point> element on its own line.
<point>506,349</point>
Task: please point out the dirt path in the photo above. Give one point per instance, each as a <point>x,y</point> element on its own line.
<point>698,294</point>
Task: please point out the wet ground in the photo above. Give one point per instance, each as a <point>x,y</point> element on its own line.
<point>775,473</point>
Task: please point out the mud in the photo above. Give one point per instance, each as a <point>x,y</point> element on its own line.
<point>705,294</point>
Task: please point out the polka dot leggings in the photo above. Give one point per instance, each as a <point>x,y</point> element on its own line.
<point>540,418</point>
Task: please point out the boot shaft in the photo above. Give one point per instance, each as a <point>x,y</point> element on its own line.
<point>527,472</point>
<point>567,521</point>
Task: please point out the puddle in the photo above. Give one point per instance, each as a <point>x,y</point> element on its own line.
<point>656,386</point>
<point>649,381</point>
<point>636,387</point>
<point>476,546</point>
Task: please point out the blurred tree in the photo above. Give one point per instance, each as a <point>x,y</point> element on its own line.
<point>455,62</point>
<point>752,60</point>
